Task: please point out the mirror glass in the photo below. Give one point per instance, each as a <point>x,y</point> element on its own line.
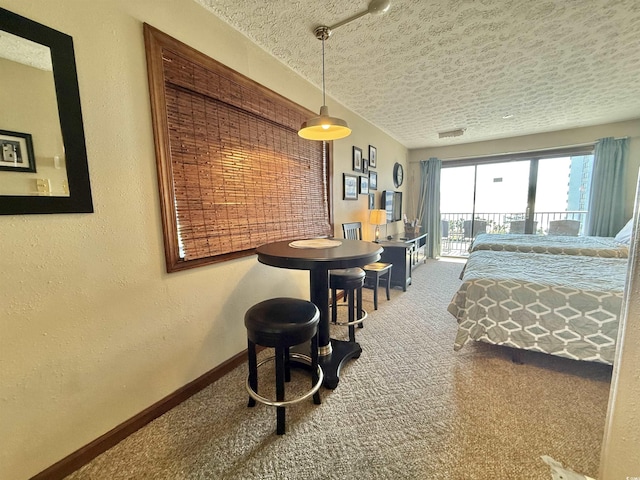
<point>29,111</point>
<point>43,158</point>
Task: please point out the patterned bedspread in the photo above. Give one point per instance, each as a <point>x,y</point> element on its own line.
<point>553,244</point>
<point>563,305</point>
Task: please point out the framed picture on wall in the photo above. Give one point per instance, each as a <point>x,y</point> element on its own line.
<point>364,185</point>
<point>373,156</point>
<point>16,152</point>
<point>365,166</point>
<point>357,159</point>
<point>373,180</point>
<point>350,185</point>
<point>372,201</point>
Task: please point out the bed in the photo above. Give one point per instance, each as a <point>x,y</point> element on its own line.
<point>569,306</point>
<point>607,247</point>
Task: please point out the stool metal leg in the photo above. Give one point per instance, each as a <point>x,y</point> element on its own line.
<point>375,290</point>
<point>253,371</point>
<point>334,305</point>
<point>280,375</point>
<point>389,283</point>
<point>314,367</point>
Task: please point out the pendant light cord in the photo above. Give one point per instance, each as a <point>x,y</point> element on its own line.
<point>324,102</point>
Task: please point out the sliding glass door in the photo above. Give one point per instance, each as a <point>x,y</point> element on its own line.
<point>457,204</point>
<point>562,194</point>
<point>502,196</point>
<point>536,194</point>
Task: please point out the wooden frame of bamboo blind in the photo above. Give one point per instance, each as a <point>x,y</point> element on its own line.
<point>233,173</point>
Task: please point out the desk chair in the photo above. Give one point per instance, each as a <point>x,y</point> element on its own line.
<point>375,271</point>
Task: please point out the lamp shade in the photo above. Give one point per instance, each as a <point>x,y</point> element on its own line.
<point>324,127</point>
<point>378,217</point>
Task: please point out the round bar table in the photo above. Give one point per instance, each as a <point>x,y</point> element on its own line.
<point>350,253</point>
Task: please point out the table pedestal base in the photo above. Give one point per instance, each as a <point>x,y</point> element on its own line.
<point>341,351</point>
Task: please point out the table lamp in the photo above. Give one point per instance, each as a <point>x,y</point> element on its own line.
<point>377,218</point>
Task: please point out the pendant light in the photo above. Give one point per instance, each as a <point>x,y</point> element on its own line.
<point>324,126</point>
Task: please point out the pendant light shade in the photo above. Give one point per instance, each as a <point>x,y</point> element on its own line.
<point>324,126</point>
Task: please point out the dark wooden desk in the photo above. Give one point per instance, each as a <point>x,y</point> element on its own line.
<point>351,253</point>
<point>404,251</point>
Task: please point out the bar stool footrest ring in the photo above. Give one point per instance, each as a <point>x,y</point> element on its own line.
<point>363,312</point>
<point>305,359</point>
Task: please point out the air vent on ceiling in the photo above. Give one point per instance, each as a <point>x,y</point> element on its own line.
<point>452,133</point>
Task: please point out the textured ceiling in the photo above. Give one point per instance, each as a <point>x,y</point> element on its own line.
<point>429,66</point>
<point>24,51</point>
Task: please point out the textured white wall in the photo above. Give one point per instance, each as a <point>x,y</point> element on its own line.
<point>388,153</point>
<point>93,330</point>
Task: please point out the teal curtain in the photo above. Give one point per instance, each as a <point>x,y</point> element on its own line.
<point>606,205</point>
<point>429,204</point>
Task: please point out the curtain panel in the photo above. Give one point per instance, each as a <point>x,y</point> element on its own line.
<point>429,204</point>
<point>606,205</point>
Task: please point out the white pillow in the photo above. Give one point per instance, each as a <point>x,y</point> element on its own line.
<point>624,235</point>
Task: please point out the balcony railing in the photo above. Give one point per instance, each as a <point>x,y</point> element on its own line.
<point>458,230</point>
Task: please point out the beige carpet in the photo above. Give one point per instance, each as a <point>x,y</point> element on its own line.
<point>408,408</point>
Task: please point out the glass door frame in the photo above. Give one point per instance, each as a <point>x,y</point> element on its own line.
<point>533,158</point>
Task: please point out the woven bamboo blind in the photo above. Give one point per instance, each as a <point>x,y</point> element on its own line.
<point>237,171</point>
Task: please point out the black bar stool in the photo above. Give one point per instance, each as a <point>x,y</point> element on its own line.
<point>351,281</point>
<point>281,323</point>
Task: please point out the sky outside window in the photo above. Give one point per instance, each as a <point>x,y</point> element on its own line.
<point>502,187</point>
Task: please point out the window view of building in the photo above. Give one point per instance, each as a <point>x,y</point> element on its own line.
<point>579,182</point>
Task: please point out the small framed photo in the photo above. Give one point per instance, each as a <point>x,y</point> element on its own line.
<point>16,152</point>
<point>350,185</point>
<point>373,180</point>
<point>364,185</point>
<point>365,166</point>
<point>372,201</point>
<point>357,159</point>
<point>373,156</point>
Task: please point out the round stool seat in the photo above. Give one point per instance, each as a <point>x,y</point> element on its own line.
<point>281,322</point>
<point>347,279</point>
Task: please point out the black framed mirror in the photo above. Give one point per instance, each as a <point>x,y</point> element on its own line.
<point>52,175</point>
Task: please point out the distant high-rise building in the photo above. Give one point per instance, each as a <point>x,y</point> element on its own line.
<point>579,183</point>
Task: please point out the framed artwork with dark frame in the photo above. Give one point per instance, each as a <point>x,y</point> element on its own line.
<point>372,201</point>
<point>364,185</point>
<point>357,159</point>
<point>365,166</point>
<point>16,152</point>
<point>373,156</point>
<point>373,180</point>
<point>350,187</point>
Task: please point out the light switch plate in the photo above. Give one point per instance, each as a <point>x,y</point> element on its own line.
<point>43,185</point>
